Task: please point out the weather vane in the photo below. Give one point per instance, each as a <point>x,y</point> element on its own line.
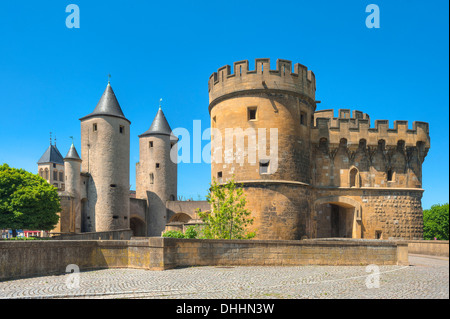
<point>71,138</point>
<point>109,78</point>
<point>160,100</point>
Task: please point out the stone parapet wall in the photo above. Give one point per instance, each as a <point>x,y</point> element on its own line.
<point>121,234</point>
<point>195,252</point>
<point>20,259</point>
<point>239,79</point>
<point>429,247</point>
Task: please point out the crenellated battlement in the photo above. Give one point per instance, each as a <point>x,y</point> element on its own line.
<point>342,114</point>
<point>229,80</point>
<point>357,127</point>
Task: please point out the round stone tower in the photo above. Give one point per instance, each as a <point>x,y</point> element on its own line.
<point>105,149</point>
<point>156,172</point>
<point>261,129</point>
<point>72,169</point>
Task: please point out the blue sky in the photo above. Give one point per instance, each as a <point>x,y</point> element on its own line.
<point>50,75</point>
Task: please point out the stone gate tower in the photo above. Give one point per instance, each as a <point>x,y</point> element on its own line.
<point>156,172</point>
<point>105,149</point>
<point>270,104</point>
<point>318,175</point>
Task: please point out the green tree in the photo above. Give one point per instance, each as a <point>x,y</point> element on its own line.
<point>27,201</point>
<point>228,218</point>
<point>435,222</point>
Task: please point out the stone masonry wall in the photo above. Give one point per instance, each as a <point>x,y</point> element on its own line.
<point>25,259</point>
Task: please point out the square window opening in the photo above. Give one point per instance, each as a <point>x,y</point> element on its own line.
<point>302,118</point>
<point>264,166</point>
<point>378,234</point>
<point>251,113</point>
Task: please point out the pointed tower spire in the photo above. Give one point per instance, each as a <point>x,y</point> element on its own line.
<point>159,126</point>
<point>108,105</point>
<point>72,154</point>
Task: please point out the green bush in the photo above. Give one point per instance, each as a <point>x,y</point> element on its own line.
<point>173,234</point>
<point>191,232</point>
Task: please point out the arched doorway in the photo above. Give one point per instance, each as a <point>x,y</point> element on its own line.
<point>337,217</point>
<point>138,227</point>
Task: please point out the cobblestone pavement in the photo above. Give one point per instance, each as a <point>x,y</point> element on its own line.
<point>427,277</point>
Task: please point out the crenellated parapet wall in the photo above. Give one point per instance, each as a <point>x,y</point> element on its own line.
<point>342,114</point>
<point>239,79</point>
<point>357,127</point>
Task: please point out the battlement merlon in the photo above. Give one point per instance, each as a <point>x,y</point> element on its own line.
<point>342,114</point>
<point>354,129</point>
<point>224,82</point>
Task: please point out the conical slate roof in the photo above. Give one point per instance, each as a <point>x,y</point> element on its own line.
<point>108,105</point>
<point>51,155</point>
<point>72,154</point>
<point>159,126</point>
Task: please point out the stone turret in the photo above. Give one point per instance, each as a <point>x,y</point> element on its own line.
<point>72,168</point>
<point>277,106</point>
<point>105,149</point>
<point>156,172</point>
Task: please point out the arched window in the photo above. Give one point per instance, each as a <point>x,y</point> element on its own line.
<point>390,175</point>
<point>362,144</point>
<point>46,174</point>
<point>41,173</point>
<point>381,145</point>
<point>354,177</point>
<point>55,175</point>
